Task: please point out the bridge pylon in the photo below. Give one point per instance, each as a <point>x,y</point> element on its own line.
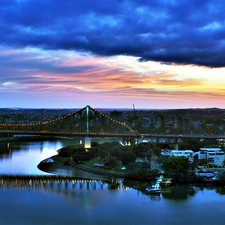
<point>87,139</point>
<point>138,140</point>
<point>176,146</point>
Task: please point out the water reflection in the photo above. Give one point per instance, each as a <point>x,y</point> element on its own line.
<point>59,185</point>
<point>23,157</point>
<point>220,190</point>
<point>179,192</point>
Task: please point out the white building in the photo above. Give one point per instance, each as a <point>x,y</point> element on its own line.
<point>215,156</point>
<point>186,153</point>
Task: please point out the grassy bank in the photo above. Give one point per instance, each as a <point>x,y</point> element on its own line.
<point>89,166</point>
<point>98,160</point>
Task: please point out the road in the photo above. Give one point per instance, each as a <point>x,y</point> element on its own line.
<point>156,165</point>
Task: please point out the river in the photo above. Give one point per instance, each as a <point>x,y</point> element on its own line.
<point>85,201</point>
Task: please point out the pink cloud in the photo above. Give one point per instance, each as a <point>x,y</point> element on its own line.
<point>66,77</point>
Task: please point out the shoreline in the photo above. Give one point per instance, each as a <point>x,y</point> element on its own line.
<point>60,163</point>
<point>59,167</point>
<point>98,171</point>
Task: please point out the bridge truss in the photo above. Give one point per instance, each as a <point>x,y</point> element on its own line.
<point>84,122</point>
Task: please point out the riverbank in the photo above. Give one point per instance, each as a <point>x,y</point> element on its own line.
<point>60,167</point>
<point>98,171</point>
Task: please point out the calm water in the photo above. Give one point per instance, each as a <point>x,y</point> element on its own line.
<point>23,157</point>
<point>93,202</point>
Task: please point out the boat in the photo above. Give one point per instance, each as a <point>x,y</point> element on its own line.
<point>152,190</point>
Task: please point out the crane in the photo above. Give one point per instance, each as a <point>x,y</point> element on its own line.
<point>135,117</point>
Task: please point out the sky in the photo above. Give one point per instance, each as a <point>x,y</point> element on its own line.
<point>153,54</point>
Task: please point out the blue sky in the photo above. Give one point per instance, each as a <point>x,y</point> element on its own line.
<point>112,54</point>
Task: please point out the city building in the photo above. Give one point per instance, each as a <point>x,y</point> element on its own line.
<point>165,154</point>
<point>117,115</point>
<point>206,175</point>
<point>160,121</point>
<point>214,156</point>
<point>181,123</point>
<point>186,153</point>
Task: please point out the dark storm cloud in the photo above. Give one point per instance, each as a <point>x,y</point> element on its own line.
<point>173,32</point>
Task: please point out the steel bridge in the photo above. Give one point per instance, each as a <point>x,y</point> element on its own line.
<point>88,122</point>
<point>84,122</point>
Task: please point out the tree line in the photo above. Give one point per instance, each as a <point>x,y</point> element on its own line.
<point>114,156</point>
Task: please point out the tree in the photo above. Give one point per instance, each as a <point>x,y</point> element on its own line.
<point>66,151</point>
<point>177,168</point>
<point>148,155</point>
<point>142,148</point>
<point>141,171</point>
<point>80,155</point>
<point>127,157</point>
<point>105,149</point>
<point>210,143</point>
<point>192,144</point>
<point>222,178</point>
<point>156,151</point>
<point>111,163</point>
<point>116,151</point>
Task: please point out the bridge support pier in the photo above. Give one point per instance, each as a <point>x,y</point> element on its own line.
<point>87,142</point>
<point>175,146</point>
<point>138,141</point>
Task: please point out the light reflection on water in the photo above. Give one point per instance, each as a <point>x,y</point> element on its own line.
<point>23,157</point>
<point>56,184</point>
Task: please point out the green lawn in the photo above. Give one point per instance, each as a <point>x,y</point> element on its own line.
<point>91,163</point>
